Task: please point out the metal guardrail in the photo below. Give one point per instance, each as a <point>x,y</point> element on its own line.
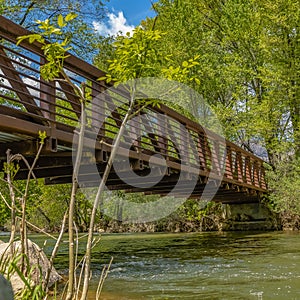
<point>28,104</point>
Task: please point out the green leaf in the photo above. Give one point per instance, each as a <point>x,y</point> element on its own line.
<point>22,38</point>
<point>102,78</point>
<point>70,17</point>
<point>60,21</point>
<point>185,64</point>
<point>55,31</point>
<point>22,277</point>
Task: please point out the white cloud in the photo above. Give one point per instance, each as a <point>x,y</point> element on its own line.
<point>115,24</point>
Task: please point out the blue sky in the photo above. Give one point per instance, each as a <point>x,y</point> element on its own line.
<point>124,15</point>
<point>133,10</point>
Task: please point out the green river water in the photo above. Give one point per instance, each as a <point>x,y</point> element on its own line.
<point>239,265</point>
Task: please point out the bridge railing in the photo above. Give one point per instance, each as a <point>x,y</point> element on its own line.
<point>25,96</point>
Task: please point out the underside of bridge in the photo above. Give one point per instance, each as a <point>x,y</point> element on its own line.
<point>55,165</point>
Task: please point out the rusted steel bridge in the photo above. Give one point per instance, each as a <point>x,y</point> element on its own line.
<point>28,104</point>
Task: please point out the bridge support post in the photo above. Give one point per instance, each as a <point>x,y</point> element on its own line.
<point>248,216</point>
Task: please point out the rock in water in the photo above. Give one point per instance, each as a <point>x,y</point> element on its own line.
<point>6,292</point>
<point>38,265</point>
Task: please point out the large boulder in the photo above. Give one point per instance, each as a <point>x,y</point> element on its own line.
<point>38,264</point>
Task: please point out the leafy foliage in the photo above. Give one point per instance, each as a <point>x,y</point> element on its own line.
<point>284,182</point>
<point>134,56</point>
<point>55,52</point>
<point>80,31</point>
<point>248,65</point>
<point>248,54</point>
<point>243,57</point>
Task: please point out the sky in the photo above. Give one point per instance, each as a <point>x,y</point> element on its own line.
<point>124,15</point>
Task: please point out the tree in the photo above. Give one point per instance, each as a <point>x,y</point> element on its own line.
<point>248,72</point>
<point>284,183</point>
<point>80,31</point>
<point>249,55</point>
<point>133,58</point>
<point>55,54</point>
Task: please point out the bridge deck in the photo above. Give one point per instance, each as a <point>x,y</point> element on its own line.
<point>28,104</point>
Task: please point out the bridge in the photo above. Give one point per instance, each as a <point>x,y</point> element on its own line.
<point>29,105</point>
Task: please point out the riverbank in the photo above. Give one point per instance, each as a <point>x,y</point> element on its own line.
<point>191,218</point>
<point>214,217</point>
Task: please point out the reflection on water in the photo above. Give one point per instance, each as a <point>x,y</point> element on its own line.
<point>197,266</point>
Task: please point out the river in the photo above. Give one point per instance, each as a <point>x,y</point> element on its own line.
<point>235,265</point>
